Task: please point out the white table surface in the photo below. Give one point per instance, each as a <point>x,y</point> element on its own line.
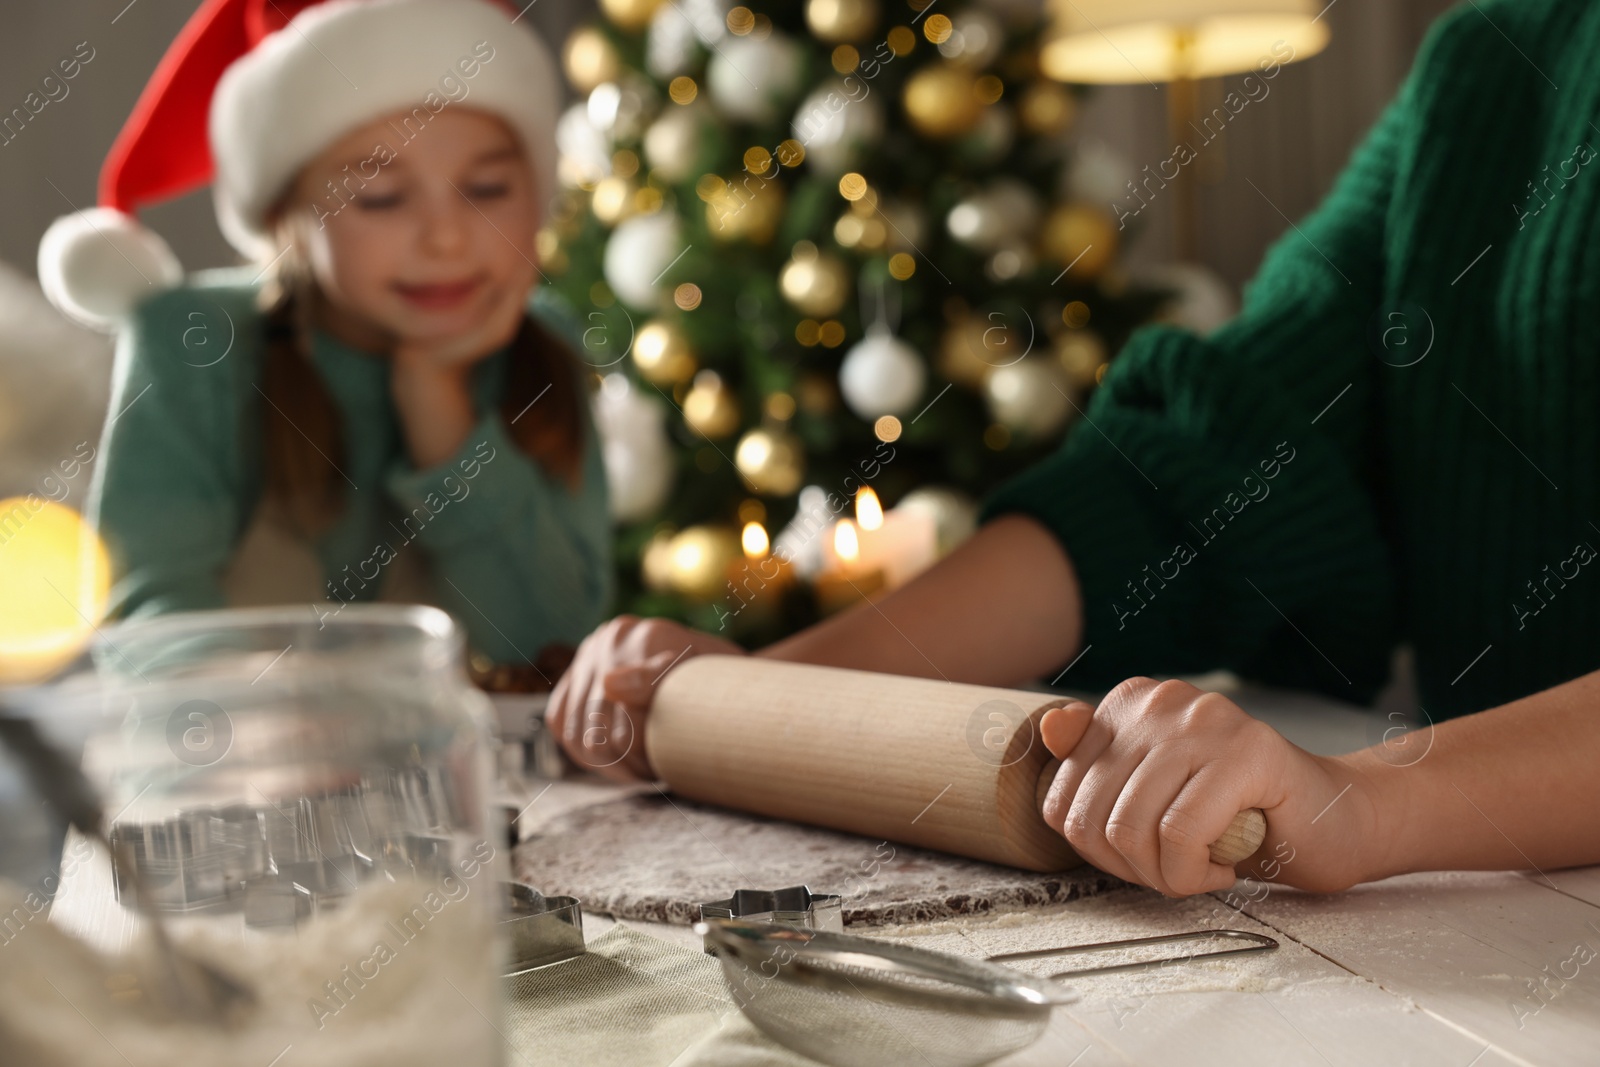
<point>1450,969</point>
<point>1455,969</point>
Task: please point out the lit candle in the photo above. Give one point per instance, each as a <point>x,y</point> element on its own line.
<point>845,578</point>
<point>898,543</point>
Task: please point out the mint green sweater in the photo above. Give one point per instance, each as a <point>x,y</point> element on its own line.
<point>518,559</point>
<point>1397,439</point>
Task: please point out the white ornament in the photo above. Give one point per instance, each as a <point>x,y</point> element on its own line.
<point>1201,300</point>
<point>1098,174</point>
<point>618,109</point>
<point>672,143</point>
<point>881,375</point>
<point>639,249</point>
<point>585,149</point>
<point>634,448</point>
<point>1002,214</point>
<point>1029,397</point>
<point>676,29</point>
<point>835,127</point>
<point>954,513</point>
<point>750,78</point>
<point>976,38</point>
<point>800,542</point>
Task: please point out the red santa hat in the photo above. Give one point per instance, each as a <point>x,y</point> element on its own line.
<point>252,90</point>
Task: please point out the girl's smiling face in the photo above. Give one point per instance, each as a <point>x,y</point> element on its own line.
<point>416,240</point>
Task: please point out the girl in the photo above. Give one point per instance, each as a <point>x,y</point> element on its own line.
<point>376,406</point>
<point>1394,441</point>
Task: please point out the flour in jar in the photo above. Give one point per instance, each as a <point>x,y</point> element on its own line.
<point>401,973</point>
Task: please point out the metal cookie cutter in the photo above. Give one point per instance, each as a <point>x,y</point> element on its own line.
<point>541,930</point>
<point>795,906</point>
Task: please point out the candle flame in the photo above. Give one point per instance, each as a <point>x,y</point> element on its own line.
<point>845,544</point>
<point>755,540</point>
<point>869,513</point>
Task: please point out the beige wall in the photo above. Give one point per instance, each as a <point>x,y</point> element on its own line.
<point>1290,144</point>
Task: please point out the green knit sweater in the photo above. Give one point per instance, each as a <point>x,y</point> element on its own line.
<point>1396,440</point>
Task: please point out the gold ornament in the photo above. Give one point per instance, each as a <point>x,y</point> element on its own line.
<point>841,20</point>
<point>1047,108</point>
<point>1029,397</point>
<point>814,282</point>
<point>655,563</point>
<point>630,14</point>
<point>972,348</point>
<point>1081,354</point>
<point>941,101</point>
<point>817,394</point>
<point>589,59</point>
<point>613,200</point>
<point>1079,237</point>
<point>748,209</point>
<point>700,559</point>
<point>864,233</point>
<point>710,409</point>
<point>772,462</point>
<point>662,353</point>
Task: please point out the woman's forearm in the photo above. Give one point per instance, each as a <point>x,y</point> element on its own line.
<point>1514,787</point>
<point>1000,610</point>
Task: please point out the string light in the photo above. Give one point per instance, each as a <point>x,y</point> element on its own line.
<point>754,540</point>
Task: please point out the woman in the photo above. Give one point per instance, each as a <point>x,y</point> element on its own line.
<point>1394,441</point>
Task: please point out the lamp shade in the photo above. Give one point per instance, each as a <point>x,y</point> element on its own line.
<point>1120,41</point>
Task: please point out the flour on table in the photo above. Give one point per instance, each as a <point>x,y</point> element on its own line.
<point>356,987</point>
<point>1115,916</point>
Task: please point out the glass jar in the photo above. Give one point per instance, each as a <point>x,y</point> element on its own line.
<point>308,801</point>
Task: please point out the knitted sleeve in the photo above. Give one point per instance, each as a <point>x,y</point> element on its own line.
<point>1217,498</point>
<point>166,499</point>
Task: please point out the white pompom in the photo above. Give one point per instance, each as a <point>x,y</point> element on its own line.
<point>881,375</point>
<point>97,265</point>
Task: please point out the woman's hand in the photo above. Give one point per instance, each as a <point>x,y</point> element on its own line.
<point>1155,774</point>
<point>598,707</point>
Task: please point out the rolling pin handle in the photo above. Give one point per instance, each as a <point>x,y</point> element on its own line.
<point>1238,842</point>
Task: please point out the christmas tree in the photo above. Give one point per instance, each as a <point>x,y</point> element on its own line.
<point>833,256</point>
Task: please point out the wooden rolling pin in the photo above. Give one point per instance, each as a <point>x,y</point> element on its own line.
<point>940,765</point>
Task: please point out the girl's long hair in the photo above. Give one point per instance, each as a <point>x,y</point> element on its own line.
<point>303,433</point>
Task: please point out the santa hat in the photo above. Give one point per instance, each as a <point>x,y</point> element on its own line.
<point>252,90</point>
